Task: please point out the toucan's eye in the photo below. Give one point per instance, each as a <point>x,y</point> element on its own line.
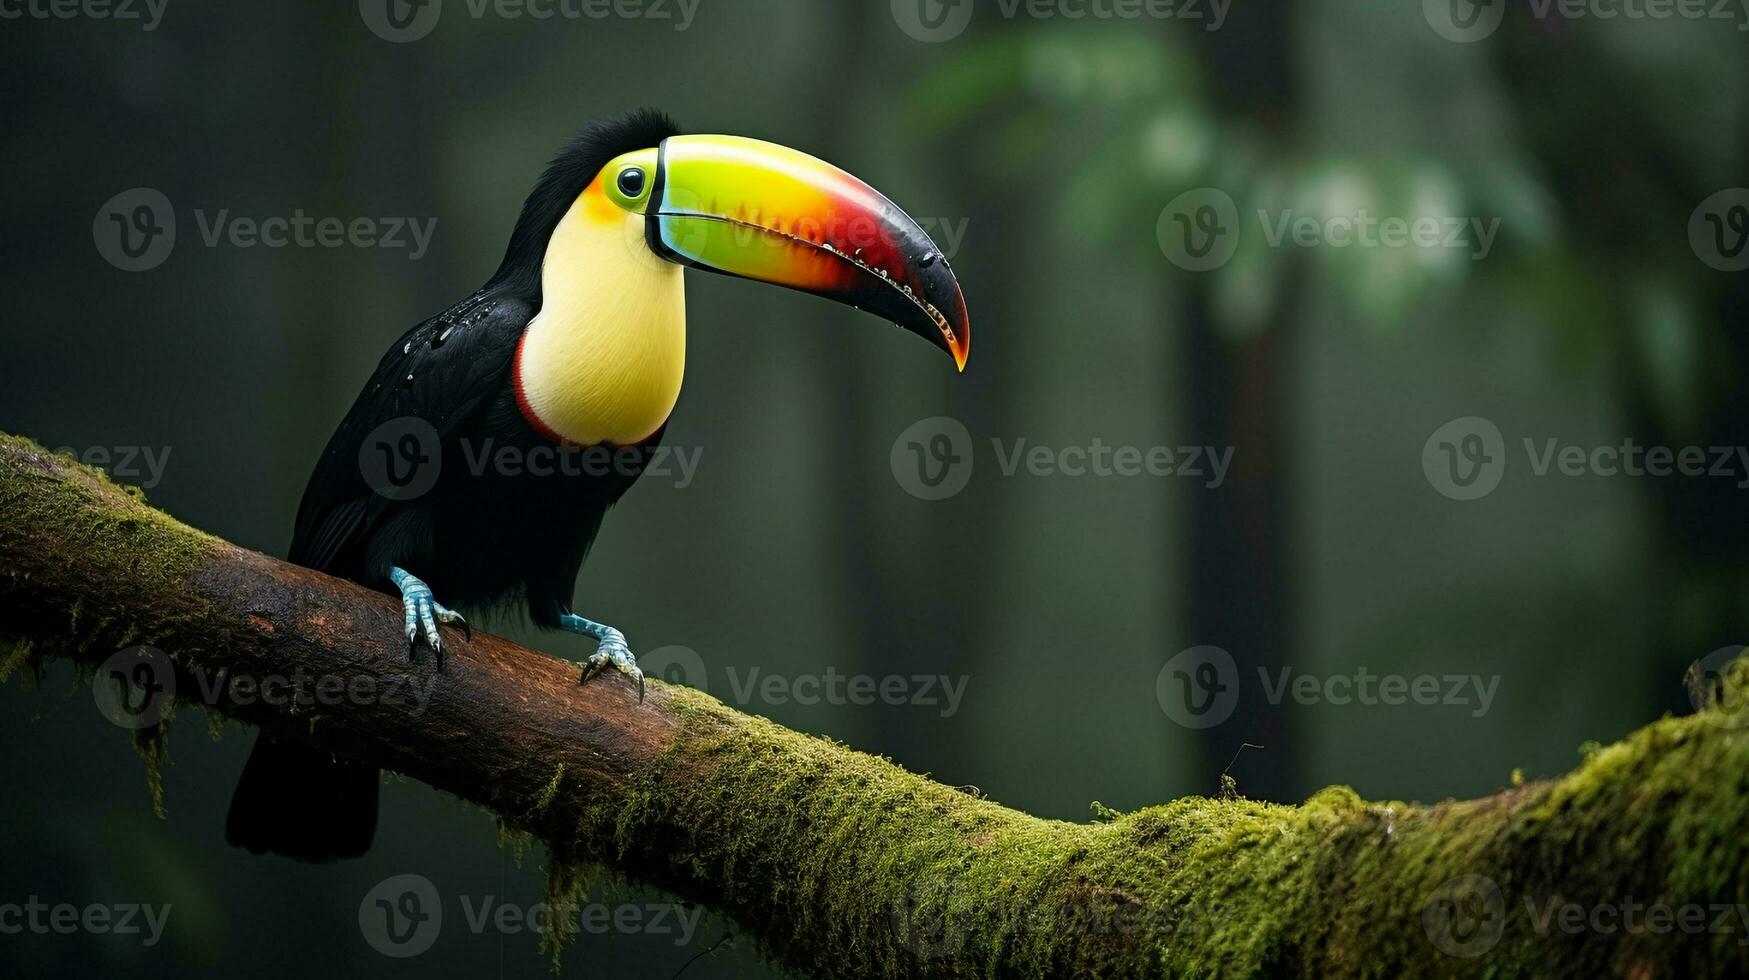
<point>631,181</point>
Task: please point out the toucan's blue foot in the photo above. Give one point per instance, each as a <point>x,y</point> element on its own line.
<point>610,648</point>
<point>423,610</point>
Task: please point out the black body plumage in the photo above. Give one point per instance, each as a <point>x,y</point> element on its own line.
<point>479,536</point>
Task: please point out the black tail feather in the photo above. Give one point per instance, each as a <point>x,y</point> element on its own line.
<point>299,801</point>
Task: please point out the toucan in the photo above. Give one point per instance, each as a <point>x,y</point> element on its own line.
<point>577,341</point>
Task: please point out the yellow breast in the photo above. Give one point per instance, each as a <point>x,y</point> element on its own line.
<point>603,360</point>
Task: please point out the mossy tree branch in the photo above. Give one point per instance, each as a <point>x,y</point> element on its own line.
<point>844,864</point>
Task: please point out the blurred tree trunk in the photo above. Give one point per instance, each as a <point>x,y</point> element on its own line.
<point>1703,545</point>
<point>1625,192</point>
<point>898,617</point>
<point>1239,594</point>
<point>325,138</point>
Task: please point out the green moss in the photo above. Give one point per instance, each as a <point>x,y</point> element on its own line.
<point>65,507</point>
<point>60,518</point>
<point>545,798</point>
<point>215,723</point>
<point>568,886</point>
<point>153,745</point>
<point>517,841</point>
<point>837,862</point>
<point>13,656</point>
<point>828,857</point>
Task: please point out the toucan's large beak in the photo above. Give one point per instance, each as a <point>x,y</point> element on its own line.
<point>762,211</point>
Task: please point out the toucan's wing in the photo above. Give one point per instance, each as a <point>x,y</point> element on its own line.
<point>439,374</point>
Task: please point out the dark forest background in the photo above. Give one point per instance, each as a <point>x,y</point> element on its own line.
<point>1059,151</point>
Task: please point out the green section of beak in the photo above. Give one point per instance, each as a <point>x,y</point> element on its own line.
<point>761,211</point>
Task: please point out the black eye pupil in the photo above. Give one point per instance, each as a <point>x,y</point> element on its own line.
<point>631,182</point>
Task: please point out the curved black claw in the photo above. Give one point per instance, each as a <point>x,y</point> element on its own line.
<point>423,613</point>
<point>613,651</point>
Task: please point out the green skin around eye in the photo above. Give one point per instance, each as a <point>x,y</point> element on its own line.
<point>643,161</point>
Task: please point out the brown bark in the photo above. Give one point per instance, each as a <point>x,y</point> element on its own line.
<point>839,863</point>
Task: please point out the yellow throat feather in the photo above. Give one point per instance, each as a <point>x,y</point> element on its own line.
<point>603,360</point>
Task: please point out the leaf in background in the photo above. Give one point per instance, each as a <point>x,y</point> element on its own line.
<point>982,76</point>
<point>1666,335</point>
